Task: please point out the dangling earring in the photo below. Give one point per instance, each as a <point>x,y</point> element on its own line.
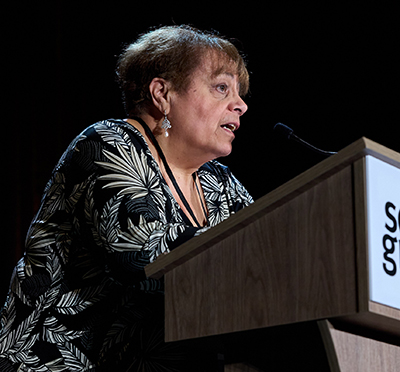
<point>166,124</point>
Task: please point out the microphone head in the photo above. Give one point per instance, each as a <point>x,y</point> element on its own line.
<point>283,130</point>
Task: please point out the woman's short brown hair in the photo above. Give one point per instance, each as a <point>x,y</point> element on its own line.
<point>172,53</point>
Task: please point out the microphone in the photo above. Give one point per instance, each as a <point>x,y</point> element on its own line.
<point>287,132</point>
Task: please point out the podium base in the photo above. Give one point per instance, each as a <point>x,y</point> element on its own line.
<point>349,352</point>
<point>313,346</point>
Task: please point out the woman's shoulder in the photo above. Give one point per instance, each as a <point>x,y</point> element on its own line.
<point>89,146</point>
<point>110,135</point>
<point>112,132</point>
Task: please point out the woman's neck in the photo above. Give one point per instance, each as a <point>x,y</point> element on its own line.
<point>175,152</point>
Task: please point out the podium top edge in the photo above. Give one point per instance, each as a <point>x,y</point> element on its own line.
<point>273,199</point>
<point>381,152</point>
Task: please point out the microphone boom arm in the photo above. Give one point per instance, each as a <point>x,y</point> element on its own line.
<point>311,147</point>
<point>288,133</point>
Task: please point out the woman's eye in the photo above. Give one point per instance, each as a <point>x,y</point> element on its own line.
<point>222,88</point>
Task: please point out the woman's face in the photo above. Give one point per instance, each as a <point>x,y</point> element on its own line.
<point>205,116</point>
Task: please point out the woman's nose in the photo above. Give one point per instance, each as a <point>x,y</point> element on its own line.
<point>239,106</point>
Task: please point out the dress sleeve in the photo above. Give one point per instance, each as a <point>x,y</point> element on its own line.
<point>131,211</point>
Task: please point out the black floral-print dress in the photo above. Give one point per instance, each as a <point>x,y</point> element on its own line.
<point>79,299</point>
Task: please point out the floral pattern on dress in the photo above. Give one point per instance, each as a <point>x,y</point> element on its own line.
<point>79,299</point>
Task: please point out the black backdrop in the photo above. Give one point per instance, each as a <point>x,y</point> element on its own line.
<point>328,71</point>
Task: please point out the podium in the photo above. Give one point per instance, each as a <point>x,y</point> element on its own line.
<point>316,260</point>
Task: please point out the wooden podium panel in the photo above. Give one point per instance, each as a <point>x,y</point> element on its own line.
<point>298,254</point>
<point>246,291</point>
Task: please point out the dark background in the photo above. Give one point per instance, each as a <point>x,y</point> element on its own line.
<point>328,71</point>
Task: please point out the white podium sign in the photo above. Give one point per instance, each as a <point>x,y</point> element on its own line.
<point>383,213</point>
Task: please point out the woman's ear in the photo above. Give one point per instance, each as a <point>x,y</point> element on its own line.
<point>159,90</point>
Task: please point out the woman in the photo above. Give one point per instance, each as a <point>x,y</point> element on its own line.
<point>124,192</point>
